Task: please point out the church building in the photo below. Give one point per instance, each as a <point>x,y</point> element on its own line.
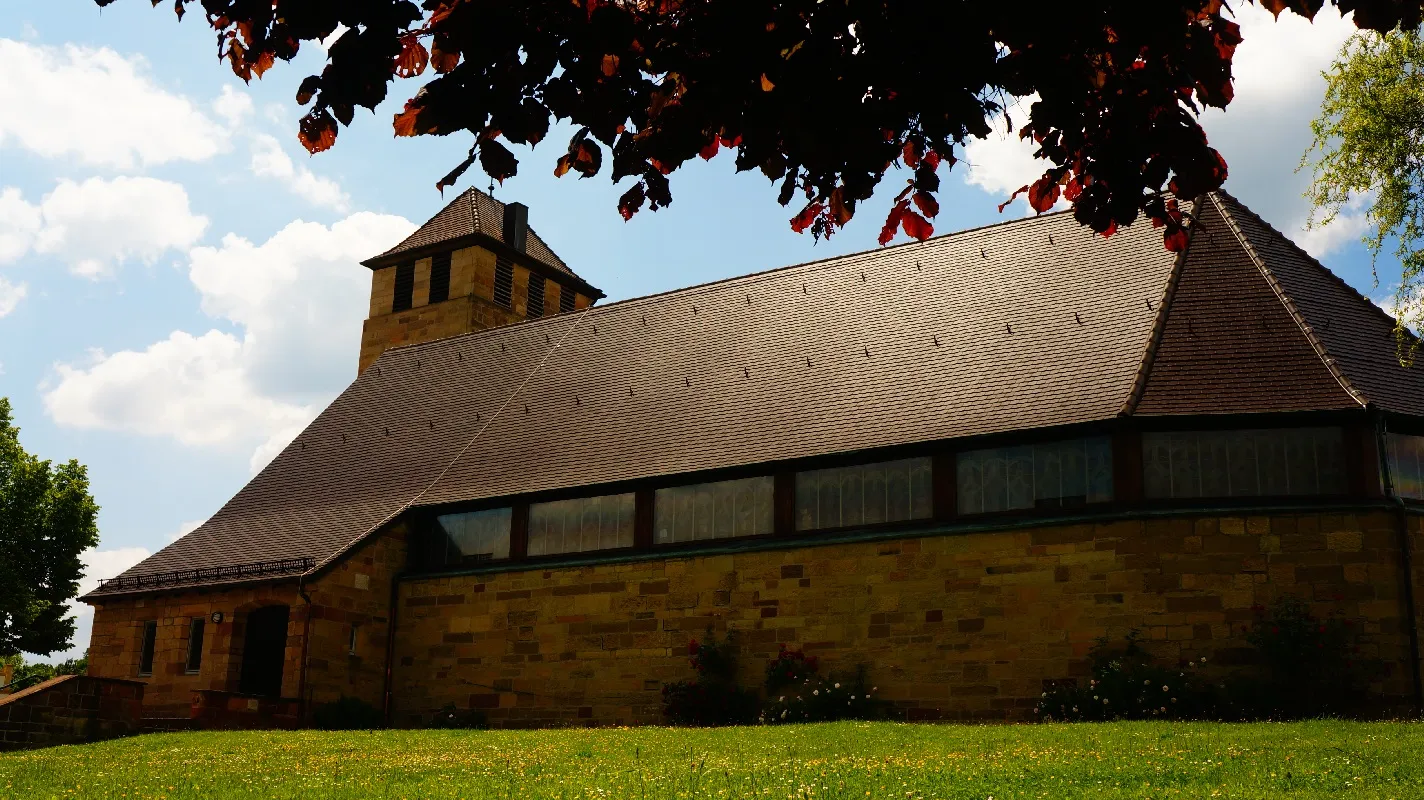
<point>958,463</point>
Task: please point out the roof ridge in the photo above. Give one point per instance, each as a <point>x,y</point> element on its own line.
<point>1304,325</point>
<point>750,277</point>
<point>1312,260</point>
<point>1159,324</point>
<point>488,421</point>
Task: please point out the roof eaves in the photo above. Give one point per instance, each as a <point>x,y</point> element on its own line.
<point>1300,321</point>
<point>1159,324</point>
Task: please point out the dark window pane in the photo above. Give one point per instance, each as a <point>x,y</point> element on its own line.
<point>1047,475</point>
<point>535,307</point>
<point>1406,464</point>
<point>718,510</point>
<point>581,524</point>
<point>145,657</point>
<point>195,645</point>
<point>475,536</point>
<point>566,299</point>
<point>1244,463</point>
<point>440,278</point>
<point>405,287</point>
<point>863,494</point>
<point>504,282</point>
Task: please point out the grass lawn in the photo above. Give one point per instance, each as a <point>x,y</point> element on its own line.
<point>843,760</point>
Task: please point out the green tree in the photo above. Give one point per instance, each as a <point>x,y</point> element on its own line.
<point>47,518</point>
<point>1369,149</point>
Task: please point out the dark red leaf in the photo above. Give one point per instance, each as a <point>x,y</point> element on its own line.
<point>802,221</point>
<point>709,150</point>
<point>916,226</point>
<point>892,221</point>
<point>927,204</point>
<point>497,161</point>
<point>631,201</point>
<point>1043,194</point>
<point>317,131</point>
<point>412,58</point>
<point>1175,238</point>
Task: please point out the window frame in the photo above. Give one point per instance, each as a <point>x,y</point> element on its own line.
<point>147,643</point>
<point>1127,475</point>
<point>1351,483</point>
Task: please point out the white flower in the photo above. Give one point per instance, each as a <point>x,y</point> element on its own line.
<point>1164,688</point>
<point>838,686</point>
<point>815,691</point>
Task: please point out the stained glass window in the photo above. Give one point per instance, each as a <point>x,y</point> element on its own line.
<point>718,510</point>
<point>1050,475</point>
<point>1244,463</point>
<point>475,536</point>
<point>583,523</point>
<point>864,494</point>
<point>1406,464</point>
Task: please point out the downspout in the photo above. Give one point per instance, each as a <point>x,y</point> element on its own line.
<point>391,648</point>
<point>306,638</point>
<point>1406,561</point>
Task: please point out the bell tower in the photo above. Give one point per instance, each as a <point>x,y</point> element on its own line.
<point>476,264</point>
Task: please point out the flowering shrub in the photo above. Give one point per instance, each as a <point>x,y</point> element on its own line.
<point>714,698</point>
<point>1308,666</point>
<point>1126,685</point>
<point>795,693</point>
<point>1304,667</point>
<point>788,668</point>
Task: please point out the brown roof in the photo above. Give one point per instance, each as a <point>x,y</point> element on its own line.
<point>1228,343</point>
<point>1028,324</point>
<point>472,213</point>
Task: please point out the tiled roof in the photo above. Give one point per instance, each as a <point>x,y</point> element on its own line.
<point>1029,324</point>
<point>1228,343</point>
<point>472,212</point>
<point>1355,335</point>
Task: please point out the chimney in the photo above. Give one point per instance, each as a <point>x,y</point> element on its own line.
<point>516,225</point>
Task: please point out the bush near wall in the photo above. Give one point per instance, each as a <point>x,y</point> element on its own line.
<point>1306,667</point>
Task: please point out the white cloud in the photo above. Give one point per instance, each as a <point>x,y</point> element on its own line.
<point>1323,240</point>
<point>10,296</point>
<point>1003,163</point>
<point>96,225</point>
<point>185,528</point>
<point>233,105</point>
<point>19,222</point>
<point>193,389</point>
<point>299,299</point>
<point>97,107</point>
<point>1266,128</point>
<point>269,160</point>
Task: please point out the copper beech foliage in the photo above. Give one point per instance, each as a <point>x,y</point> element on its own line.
<point>822,96</point>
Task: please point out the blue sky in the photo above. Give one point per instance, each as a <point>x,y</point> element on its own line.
<point>179,286</point>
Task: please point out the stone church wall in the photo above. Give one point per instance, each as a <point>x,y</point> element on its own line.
<point>962,626</point>
<point>356,592</point>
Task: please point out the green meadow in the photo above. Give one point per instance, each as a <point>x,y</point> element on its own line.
<point>1319,759</point>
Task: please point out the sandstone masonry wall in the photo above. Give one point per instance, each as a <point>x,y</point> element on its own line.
<point>963,626</point>
<point>117,639</point>
<point>69,709</point>
<point>471,305</point>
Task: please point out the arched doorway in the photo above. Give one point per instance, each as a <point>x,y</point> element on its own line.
<point>264,648</point>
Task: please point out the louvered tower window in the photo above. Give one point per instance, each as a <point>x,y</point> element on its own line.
<point>566,299</point>
<point>405,287</point>
<point>504,282</point>
<point>535,307</point>
<point>440,278</point>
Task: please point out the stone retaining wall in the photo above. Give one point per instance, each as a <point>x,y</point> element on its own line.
<point>70,709</point>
